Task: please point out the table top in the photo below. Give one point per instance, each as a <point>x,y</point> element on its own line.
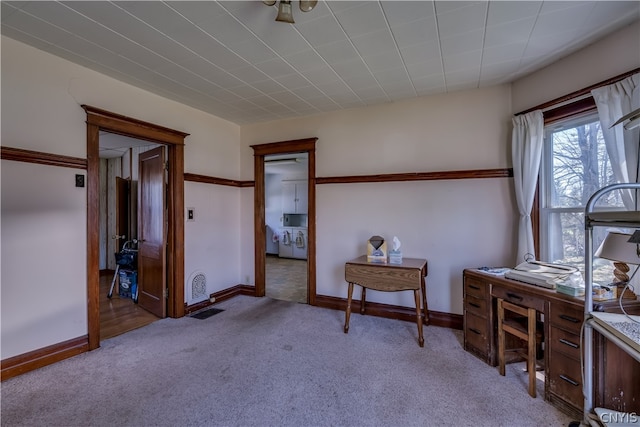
<point>417,263</point>
<point>522,286</point>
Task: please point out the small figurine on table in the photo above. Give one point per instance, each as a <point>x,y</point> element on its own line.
<point>376,249</point>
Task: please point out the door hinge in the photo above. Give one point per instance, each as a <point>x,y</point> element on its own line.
<point>166,293</point>
<point>166,166</point>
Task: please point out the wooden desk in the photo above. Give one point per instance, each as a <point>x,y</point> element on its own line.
<point>615,378</point>
<point>410,275</point>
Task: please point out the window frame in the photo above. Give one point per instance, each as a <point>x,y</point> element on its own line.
<point>574,103</point>
<point>575,109</point>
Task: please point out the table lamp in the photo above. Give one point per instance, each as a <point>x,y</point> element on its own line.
<point>623,249</point>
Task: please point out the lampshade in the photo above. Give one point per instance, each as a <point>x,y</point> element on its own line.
<point>284,12</point>
<point>616,247</point>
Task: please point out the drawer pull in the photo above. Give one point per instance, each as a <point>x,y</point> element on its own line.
<point>474,287</point>
<point>569,343</point>
<point>473,304</point>
<point>514,296</point>
<point>569,380</point>
<point>475,331</point>
<point>570,319</point>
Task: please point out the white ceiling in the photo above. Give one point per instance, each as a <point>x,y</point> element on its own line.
<point>113,145</point>
<point>231,59</point>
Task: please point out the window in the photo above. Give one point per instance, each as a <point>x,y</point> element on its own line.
<point>575,164</point>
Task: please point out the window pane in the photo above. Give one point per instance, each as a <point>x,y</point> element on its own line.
<point>575,166</point>
<point>565,239</point>
<point>580,166</point>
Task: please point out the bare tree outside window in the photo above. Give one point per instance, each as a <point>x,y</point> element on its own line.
<point>577,166</point>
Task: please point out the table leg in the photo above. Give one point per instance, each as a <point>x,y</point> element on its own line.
<point>419,318</point>
<point>348,311</point>
<point>362,299</point>
<point>424,301</point>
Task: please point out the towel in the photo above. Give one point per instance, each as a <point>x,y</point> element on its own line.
<point>300,240</point>
<point>286,239</point>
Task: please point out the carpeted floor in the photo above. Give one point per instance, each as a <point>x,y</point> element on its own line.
<point>264,362</point>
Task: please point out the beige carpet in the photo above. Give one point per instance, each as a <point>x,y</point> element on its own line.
<point>268,363</point>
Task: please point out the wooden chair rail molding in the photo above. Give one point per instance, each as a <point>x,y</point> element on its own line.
<point>418,176</point>
<point>192,177</point>
<point>29,156</point>
<point>391,177</point>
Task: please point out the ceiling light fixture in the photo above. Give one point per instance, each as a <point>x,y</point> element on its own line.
<point>282,162</point>
<point>285,11</point>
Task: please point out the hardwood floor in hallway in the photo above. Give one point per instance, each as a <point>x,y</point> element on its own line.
<point>118,314</point>
<point>286,279</point>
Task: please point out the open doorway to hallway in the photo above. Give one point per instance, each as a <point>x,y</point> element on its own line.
<point>173,288</point>
<point>119,202</point>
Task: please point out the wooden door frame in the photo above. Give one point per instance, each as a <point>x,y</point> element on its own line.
<point>97,120</point>
<point>308,146</point>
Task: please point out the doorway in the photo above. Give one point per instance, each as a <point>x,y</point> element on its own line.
<point>286,224</point>
<point>101,120</point>
<point>120,277</point>
<point>262,151</point>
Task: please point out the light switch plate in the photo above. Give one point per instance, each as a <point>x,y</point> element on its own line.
<point>191,214</point>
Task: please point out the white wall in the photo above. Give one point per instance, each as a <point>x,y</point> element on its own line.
<point>213,235</point>
<point>607,58</point>
<point>454,224</point>
<point>44,285</point>
<point>44,271</point>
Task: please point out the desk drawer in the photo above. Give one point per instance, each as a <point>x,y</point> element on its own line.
<point>475,288</point>
<point>566,317</point>
<point>564,342</point>
<point>476,335</point>
<point>565,379</point>
<point>475,305</point>
<point>519,298</point>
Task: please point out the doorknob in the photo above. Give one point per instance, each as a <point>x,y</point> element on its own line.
<point>115,236</point>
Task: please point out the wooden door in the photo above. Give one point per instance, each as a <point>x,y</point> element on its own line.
<point>152,278</point>
<point>122,212</point>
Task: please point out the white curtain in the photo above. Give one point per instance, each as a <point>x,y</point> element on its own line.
<point>614,101</point>
<point>527,139</point>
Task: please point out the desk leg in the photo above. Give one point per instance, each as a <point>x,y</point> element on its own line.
<point>419,318</point>
<point>348,311</point>
<point>364,297</point>
<point>424,301</point>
